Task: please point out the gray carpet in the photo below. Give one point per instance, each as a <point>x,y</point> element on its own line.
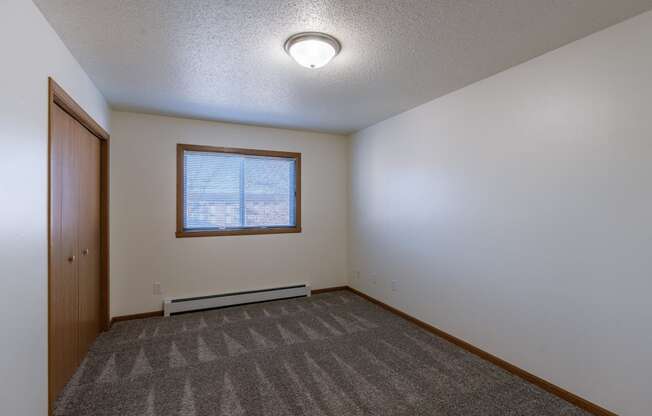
<point>333,354</point>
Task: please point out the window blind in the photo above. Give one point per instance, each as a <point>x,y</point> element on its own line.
<point>231,191</point>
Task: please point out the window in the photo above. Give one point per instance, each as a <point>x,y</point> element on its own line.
<point>223,191</point>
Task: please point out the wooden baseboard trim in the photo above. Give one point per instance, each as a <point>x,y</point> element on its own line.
<point>328,289</point>
<point>519,372</point>
<point>136,316</point>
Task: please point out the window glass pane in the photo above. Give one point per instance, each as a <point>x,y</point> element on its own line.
<point>230,191</point>
<point>269,192</point>
<point>213,190</point>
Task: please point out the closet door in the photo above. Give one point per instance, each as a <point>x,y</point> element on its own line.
<point>89,239</point>
<point>64,211</point>
<point>77,252</point>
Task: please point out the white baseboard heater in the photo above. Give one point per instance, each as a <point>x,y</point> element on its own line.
<point>176,305</point>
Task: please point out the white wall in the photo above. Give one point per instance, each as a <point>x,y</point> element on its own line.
<point>31,51</point>
<point>516,214</point>
<point>143,215</point>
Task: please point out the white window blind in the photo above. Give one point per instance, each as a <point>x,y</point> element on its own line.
<point>231,191</point>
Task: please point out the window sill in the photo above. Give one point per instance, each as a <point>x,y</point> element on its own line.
<point>252,231</point>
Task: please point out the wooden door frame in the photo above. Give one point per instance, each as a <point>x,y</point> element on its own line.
<point>57,96</point>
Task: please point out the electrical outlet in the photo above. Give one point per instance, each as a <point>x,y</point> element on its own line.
<point>157,288</point>
<point>394,285</point>
<point>374,278</point>
<point>356,275</point>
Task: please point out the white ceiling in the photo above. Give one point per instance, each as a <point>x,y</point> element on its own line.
<point>224,59</point>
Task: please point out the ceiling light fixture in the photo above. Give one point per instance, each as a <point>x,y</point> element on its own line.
<point>312,49</point>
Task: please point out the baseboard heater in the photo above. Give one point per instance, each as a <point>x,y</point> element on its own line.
<point>176,305</point>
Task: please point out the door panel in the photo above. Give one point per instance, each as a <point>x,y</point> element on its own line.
<point>64,305</point>
<point>89,240</point>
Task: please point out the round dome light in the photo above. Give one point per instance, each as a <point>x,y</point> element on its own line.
<point>312,49</point>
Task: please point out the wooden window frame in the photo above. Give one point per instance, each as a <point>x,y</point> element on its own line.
<point>183,233</point>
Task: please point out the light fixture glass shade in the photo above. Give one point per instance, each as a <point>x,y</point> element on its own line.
<point>312,49</point>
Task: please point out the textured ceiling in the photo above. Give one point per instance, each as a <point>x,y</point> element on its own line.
<point>224,60</point>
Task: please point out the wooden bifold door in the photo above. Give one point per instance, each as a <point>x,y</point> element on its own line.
<point>75,278</point>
